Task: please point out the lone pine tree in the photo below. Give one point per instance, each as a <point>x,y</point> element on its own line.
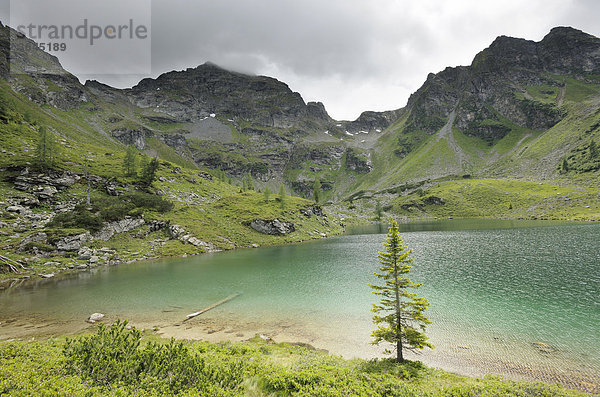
<point>399,313</point>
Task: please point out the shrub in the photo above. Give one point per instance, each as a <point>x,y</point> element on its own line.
<point>113,356</point>
<point>80,217</point>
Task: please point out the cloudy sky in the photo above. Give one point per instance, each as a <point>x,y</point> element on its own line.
<point>352,55</point>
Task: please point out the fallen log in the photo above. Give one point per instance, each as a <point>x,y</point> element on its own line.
<point>219,303</point>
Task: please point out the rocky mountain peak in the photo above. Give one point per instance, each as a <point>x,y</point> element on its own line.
<point>193,94</point>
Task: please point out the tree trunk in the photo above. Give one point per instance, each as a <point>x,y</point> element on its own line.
<point>399,357</point>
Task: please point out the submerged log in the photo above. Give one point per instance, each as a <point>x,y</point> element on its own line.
<point>219,303</point>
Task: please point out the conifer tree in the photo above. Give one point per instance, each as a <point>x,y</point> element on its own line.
<point>399,313</point>
<point>46,149</point>
<point>130,161</point>
<point>317,190</point>
<point>565,165</point>
<point>282,198</point>
<point>149,172</point>
<point>250,181</point>
<point>593,150</point>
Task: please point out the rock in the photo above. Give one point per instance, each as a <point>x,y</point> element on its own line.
<point>205,175</point>
<point>122,226</point>
<point>33,238</point>
<point>272,227</point>
<point>323,235</point>
<point>155,226</point>
<point>17,209</point>
<point>358,162</point>
<point>93,259</point>
<point>265,338</point>
<point>312,210</point>
<point>49,275</point>
<point>544,348</point>
<point>132,136</point>
<point>45,192</point>
<point>433,200</point>
<point>85,253</point>
<point>255,245</point>
<point>175,231</point>
<point>114,188</point>
<point>31,202</point>
<point>73,243</point>
<point>95,317</point>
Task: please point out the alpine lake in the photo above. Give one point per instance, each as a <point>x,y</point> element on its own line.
<point>519,299</point>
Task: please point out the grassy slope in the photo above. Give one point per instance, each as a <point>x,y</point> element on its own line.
<point>254,368</point>
<point>522,155</point>
<point>210,210</point>
<point>503,198</point>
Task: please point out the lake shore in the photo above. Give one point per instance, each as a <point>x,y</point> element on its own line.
<point>215,328</point>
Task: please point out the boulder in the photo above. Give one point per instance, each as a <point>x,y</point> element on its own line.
<point>312,210</point>
<point>73,243</point>
<point>175,231</point>
<point>17,209</point>
<point>272,227</point>
<point>85,253</point>
<point>95,317</point>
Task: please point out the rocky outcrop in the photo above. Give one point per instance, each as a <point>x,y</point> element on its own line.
<point>315,210</point>
<point>177,232</point>
<point>123,226</point>
<point>73,243</point>
<point>135,136</point>
<point>44,185</point>
<point>358,162</point>
<point>272,227</point>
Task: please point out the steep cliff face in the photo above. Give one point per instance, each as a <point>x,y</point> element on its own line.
<point>491,95</point>
<point>37,74</point>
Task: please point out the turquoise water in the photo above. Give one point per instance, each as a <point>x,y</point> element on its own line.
<point>496,289</point>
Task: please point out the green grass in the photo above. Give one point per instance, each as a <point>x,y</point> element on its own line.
<point>544,93</point>
<point>579,91</point>
<point>502,198</point>
<point>116,362</point>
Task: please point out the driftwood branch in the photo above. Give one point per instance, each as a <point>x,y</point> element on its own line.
<point>13,266</point>
<point>219,303</point>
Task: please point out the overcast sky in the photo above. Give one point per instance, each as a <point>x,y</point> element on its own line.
<point>352,55</point>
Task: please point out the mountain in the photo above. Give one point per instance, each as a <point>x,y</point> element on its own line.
<point>517,111</point>
<point>521,110</point>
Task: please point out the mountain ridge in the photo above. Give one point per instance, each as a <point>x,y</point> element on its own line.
<point>512,91</point>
